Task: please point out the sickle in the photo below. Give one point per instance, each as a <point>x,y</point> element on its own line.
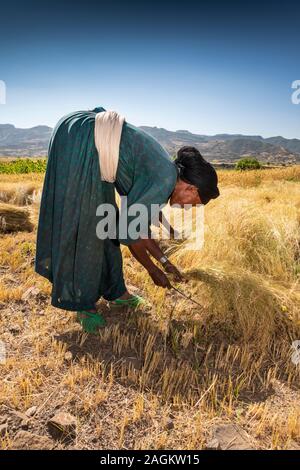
<point>185,296</point>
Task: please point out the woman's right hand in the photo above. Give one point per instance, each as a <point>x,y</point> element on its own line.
<point>159,278</point>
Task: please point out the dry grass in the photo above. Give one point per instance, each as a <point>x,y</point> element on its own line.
<point>18,193</point>
<point>162,376</point>
<point>256,177</point>
<point>26,178</point>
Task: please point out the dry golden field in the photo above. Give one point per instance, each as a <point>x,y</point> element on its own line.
<point>172,374</point>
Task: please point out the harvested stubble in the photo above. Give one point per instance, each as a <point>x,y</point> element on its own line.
<point>229,361</point>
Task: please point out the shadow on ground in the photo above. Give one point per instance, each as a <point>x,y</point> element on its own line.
<point>169,357</point>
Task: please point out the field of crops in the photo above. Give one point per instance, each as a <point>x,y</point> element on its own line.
<point>22,166</point>
<point>172,374</point>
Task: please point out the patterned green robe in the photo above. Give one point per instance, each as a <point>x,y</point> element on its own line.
<point>82,267</point>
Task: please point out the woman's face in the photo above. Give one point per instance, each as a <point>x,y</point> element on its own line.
<point>184,193</point>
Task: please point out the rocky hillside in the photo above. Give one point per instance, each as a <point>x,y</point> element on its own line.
<point>24,142</point>
<point>230,147</point>
<point>224,148</point>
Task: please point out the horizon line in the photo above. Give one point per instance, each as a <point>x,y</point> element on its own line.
<point>169,130</point>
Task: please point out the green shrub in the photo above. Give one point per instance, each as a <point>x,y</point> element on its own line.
<point>23,165</point>
<point>248,164</point>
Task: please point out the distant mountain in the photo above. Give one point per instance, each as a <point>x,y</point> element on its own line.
<point>222,148</point>
<point>230,147</point>
<point>24,142</point>
<point>290,144</point>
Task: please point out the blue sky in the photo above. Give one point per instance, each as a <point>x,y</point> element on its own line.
<point>209,67</point>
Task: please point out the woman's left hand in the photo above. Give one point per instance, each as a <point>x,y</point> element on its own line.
<point>171,269</point>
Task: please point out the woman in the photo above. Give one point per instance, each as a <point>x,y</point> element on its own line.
<point>81,266</point>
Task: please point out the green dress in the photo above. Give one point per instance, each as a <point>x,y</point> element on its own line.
<point>82,267</point>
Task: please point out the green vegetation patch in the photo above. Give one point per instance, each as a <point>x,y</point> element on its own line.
<point>248,164</point>
<point>23,165</point>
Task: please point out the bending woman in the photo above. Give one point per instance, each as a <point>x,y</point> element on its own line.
<point>81,266</point>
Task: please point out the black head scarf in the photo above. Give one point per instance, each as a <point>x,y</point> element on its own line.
<point>193,169</point>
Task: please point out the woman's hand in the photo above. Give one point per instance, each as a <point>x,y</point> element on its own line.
<point>171,269</point>
<point>159,278</point>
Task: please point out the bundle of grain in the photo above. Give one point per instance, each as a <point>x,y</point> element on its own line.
<point>14,219</point>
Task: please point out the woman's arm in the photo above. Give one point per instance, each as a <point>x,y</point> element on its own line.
<point>154,249</point>
<point>167,225</point>
<point>139,251</point>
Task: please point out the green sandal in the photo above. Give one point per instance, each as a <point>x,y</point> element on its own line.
<point>134,302</point>
<point>90,322</point>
